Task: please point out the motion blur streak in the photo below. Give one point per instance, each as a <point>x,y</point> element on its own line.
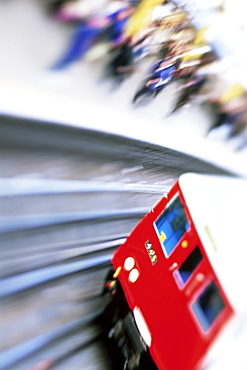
<point>28,186</point>
<point>28,280</point>
<point>11,224</point>
<point>15,354</point>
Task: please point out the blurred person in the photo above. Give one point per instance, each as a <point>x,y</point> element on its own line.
<point>188,90</point>
<point>160,75</point>
<point>108,26</point>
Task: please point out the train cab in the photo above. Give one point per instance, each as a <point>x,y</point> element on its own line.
<point>177,276</point>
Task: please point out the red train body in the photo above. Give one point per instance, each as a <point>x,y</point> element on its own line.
<point>170,273</point>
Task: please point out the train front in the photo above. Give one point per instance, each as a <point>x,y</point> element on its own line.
<point>168,304</point>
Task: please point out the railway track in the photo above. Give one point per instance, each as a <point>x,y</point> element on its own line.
<point>68,198</point>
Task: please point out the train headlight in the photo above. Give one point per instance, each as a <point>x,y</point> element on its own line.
<point>133,275</point>
<point>129,263</point>
<point>142,326</point>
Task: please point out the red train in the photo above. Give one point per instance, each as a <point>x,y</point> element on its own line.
<point>176,296</point>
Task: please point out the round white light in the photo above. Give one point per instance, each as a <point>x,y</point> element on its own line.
<point>133,275</point>
<point>129,263</point>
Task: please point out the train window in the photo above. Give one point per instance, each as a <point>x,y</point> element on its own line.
<point>189,265</point>
<point>171,225</point>
<point>208,306</point>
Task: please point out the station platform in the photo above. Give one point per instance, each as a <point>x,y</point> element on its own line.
<point>80,96</point>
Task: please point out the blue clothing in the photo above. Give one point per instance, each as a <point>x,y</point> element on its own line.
<point>165,74</point>
<point>116,28</point>
<point>86,35</point>
<point>82,40</point>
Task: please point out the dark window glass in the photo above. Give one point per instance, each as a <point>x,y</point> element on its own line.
<point>171,225</point>
<point>189,265</point>
<point>208,306</point>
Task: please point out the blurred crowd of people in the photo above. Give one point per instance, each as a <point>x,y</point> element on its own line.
<point>175,38</point>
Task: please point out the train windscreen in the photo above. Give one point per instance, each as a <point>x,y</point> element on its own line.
<point>189,265</point>
<point>171,225</point>
<point>208,306</point>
